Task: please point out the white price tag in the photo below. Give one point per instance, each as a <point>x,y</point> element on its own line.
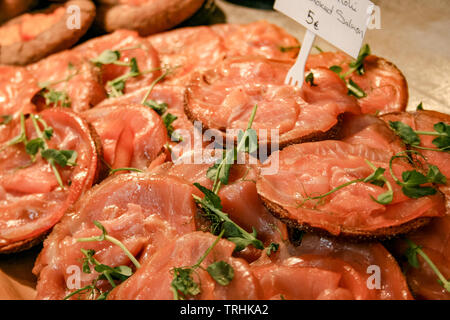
<point>343,23</point>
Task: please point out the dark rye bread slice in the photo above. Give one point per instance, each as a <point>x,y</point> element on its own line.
<point>56,38</point>
<point>148,17</point>
<point>313,169</point>
<point>222,99</point>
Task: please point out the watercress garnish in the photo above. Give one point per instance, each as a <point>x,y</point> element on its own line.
<point>183,284</point>
<point>411,254</point>
<point>411,137</point>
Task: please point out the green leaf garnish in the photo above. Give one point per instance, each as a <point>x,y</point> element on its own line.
<point>62,157</point>
<point>221,272</point>
<point>412,253</point>
<point>358,64</point>
<point>5,119</point>
<point>355,90</point>
<point>212,210</point>
<point>183,284</point>
<point>159,108</point>
<point>405,132</point>
<point>106,57</point>
<point>310,79</point>
<point>272,248</point>
<point>336,69</point>
<point>413,181</point>
<point>111,274</point>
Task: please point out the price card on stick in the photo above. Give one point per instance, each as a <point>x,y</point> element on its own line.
<point>343,23</point>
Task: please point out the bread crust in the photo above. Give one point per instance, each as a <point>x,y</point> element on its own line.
<point>380,234</point>
<point>148,18</point>
<point>58,37</point>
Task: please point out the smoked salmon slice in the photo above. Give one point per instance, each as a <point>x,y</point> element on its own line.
<point>68,81</point>
<point>17,88</point>
<point>383,83</point>
<point>224,97</point>
<point>130,46</point>
<point>257,38</point>
<point>434,240</point>
<point>313,169</point>
<point>153,280</point>
<point>329,268</point>
<point>132,135</point>
<point>189,50</point>
<point>31,201</point>
<point>143,212</point>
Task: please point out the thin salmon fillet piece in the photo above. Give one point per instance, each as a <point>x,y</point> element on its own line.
<point>153,280</point>
<point>312,169</point>
<point>142,211</point>
<point>257,38</point>
<point>224,97</point>
<point>434,240</point>
<point>130,46</point>
<point>17,88</point>
<point>188,49</point>
<point>132,135</point>
<point>83,86</point>
<point>31,200</point>
<point>342,267</point>
<point>383,82</point>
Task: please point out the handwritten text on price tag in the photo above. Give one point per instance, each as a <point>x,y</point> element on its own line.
<point>343,23</point>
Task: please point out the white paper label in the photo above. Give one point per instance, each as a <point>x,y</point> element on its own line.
<point>343,23</point>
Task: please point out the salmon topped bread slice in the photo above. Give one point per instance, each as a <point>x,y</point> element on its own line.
<point>384,86</point>
<point>153,280</point>
<point>132,135</point>
<point>425,121</point>
<point>329,186</point>
<point>143,212</point>
<point>33,36</point>
<point>47,162</point>
<point>330,269</point>
<point>224,97</point>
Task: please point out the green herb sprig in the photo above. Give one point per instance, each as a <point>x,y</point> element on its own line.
<point>355,66</point>
<point>55,97</point>
<point>63,158</point>
<point>413,251</point>
<point>247,142</point>
<point>183,284</point>
<point>111,274</point>
<point>413,181</point>
<point>376,178</point>
<point>411,137</point>
<point>117,85</point>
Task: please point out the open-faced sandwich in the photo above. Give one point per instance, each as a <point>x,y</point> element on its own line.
<point>33,36</point>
